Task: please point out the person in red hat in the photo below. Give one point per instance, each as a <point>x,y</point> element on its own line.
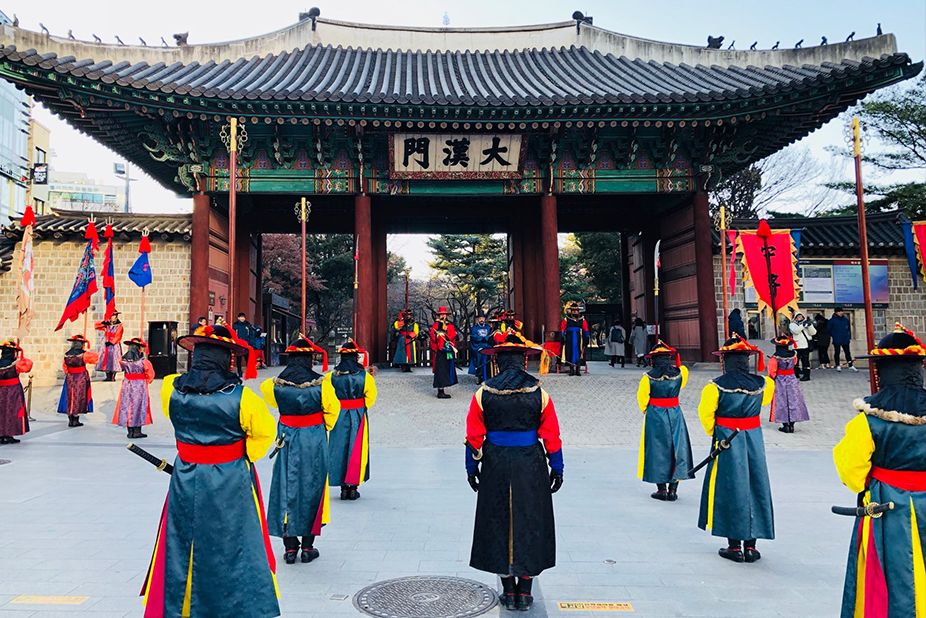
<point>349,440</point>
<point>133,405</point>
<point>443,338</point>
<point>406,341</point>
<point>76,395</point>
<point>213,555</point>
<point>111,332</point>
<point>309,408</point>
<point>789,406</point>
<point>882,459</point>
<point>514,461</point>
<point>14,419</point>
<point>665,448</point>
<point>736,498</point>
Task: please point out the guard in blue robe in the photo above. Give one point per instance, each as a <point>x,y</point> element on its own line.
<point>574,336</point>
<point>479,336</point>
<point>349,440</point>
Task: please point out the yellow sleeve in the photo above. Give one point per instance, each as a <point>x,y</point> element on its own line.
<point>769,393</point>
<point>707,408</point>
<point>643,393</point>
<point>684,371</point>
<point>369,391</point>
<point>167,389</point>
<point>852,455</point>
<point>331,405</point>
<point>257,423</point>
<point>415,329</point>
<point>266,389</point>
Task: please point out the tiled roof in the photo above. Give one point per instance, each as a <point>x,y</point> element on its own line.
<point>561,76</point>
<point>70,225</point>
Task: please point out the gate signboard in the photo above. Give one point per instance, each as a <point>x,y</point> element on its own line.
<point>447,156</point>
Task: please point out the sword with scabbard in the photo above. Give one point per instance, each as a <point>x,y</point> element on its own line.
<point>278,445</point>
<point>157,462</point>
<point>722,445</point>
<point>872,509</point>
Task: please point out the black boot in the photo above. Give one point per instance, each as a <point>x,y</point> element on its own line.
<point>749,548</point>
<point>509,597</point>
<point>525,599</point>
<point>660,493</point>
<point>791,427</point>
<point>733,552</point>
<point>354,494</point>
<point>345,492</point>
<point>139,434</point>
<point>12,440</point>
<point>441,394</point>
<point>291,543</point>
<point>309,553</point>
<point>110,376</point>
<point>129,432</point>
<point>3,439</point>
<point>783,428</point>
<point>672,494</point>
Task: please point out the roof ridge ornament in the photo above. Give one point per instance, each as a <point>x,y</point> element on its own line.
<point>581,18</point>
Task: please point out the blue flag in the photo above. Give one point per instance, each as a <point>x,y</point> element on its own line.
<point>84,288</point>
<point>140,273</point>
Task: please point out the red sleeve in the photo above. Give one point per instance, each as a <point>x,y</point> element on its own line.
<point>116,336</point>
<point>475,425</point>
<point>432,337</point>
<point>23,365</point>
<point>549,429</point>
<point>585,325</point>
<point>562,326</point>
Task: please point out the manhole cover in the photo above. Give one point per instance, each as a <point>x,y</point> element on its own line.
<point>426,597</point>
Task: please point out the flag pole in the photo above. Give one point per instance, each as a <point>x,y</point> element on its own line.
<point>656,287</point>
<point>863,248</point>
<point>723,270</point>
<point>303,208</point>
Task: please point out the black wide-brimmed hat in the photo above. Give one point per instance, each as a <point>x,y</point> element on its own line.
<point>218,335</point>
<point>80,339</point>
<point>901,343</point>
<point>137,341</point>
<point>303,346</point>
<point>784,346</point>
<point>738,345</point>
<point>513,342</point>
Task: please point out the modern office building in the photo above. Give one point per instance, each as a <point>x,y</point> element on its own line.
<point>39,148</point>
<point>76,191</point>
<point>15,113</point>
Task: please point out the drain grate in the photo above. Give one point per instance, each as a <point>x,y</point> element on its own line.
<point>426,597</point>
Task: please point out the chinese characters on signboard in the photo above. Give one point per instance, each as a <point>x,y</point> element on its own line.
<point>40,174</point>
<point>454,156</point>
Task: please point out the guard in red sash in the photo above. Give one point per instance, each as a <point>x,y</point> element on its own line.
<point>882,458</point>
<point>443,337</point>
<point>111,331</point>
<point>14,419</point>
<point>133,406</point>
<point>349,440</point>
<point>76,395</point>
<point>213,555</point>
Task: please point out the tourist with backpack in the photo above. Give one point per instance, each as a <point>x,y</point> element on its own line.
<point>614,348</point>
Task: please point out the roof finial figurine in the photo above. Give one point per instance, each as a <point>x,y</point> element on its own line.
<point>118,40</point>
<point>799,44</point>
<point>16,21</point>
<point>445,19</point>
<point>581,18</point>
<point>823,41</point>
<point>851,36</point>
<point>164,43</point>
<point>97,39</point>
<point>71,34</point>
<point>753,46</point>
<point>181,38</point>
<point>143,44</point>
<point>731,46</point>
<point>777,43</point>
<point>714,42</point>
<point>313,14</point>
<point>44,29</point>
<point>878,32</point>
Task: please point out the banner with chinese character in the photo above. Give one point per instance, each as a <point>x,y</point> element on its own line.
<point>27,275</point>
<point>770,266</point>
<point>915,241</point>
<point>454,157</point>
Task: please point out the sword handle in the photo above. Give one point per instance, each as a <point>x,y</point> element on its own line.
<point>157,462</point>
<point>872,509</point>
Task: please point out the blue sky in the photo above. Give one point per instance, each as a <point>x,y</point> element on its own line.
<point>669,20</point>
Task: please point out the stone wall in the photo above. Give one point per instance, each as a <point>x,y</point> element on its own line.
<point>167,298</point>
<point>906,305</point>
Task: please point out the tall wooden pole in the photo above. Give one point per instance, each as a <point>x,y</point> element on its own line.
<point>232,215</point>
<point>302,211</point>
<point>863,248</point>
<point>723,270</point>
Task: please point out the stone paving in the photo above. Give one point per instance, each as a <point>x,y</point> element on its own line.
<point>78,513</point>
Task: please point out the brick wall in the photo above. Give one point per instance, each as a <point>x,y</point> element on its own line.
<point>167,298</point>
<point>906,305</point>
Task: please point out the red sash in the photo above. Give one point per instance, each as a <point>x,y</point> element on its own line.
<point>75,369</point>
<point>302,420</point>
<point>664,402</point>
<point>353,404</point>
<point>134,376</point>
<point>210,454</point>
<point>749,422</point>
<point>786,372</point>
<point>10,382</point>
<point>907,480</point>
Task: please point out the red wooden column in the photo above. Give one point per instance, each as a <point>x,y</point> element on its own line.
<point>378,346</point>
<point>550,306</point>
<point>365,294</point>
<point>244,281</point>
<point>199,258</point>
<point>704,263</point>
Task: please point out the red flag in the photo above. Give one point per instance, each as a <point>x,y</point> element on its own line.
<point>919,240</point>
<point>27,274</point>
<point>109,276</point>
<point>769,257</point>
<point>84,287</point>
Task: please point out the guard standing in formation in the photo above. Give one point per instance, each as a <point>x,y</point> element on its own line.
<point>665,449</point>
<point>308,410</point>
<point>479,336</point>
<point>349,440</point>
<point>443,337</point>
<point>213,555</point>
<point>406,341</point>
<point>76,395</point>
<point>509,417</point>
<point>788,407</point>
<point>882,458</point>
<point>14,419</point>
<point>133,405</point>
<point>110,346</point>
<point>574,336</point>
<point>736,499</point>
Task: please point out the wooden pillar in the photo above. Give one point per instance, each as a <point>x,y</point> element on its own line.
<point>549,256</point>
<point>516,274</point>
<point>365,294</point>
<point>379,345</point>
<point>704,262</point>
<point>199,258</point>
<point>259,288</point>
<point>243,277</point>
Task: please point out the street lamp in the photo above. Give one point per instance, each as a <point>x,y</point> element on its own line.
<point>122,170</point>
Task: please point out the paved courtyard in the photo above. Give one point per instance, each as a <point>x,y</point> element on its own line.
<point>79,513</point>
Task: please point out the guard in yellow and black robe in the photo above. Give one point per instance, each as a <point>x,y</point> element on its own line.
<point>665,449</point>
<point>883,459</point>
<point>309,408</point>
<point>736,499</point>
<point>349,440</point>
<point>213,555</point>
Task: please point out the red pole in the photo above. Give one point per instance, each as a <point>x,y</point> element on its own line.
<point>303,216</point>
<point>863,249</point>
<point>232,214</point>
<point>723,271</point>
